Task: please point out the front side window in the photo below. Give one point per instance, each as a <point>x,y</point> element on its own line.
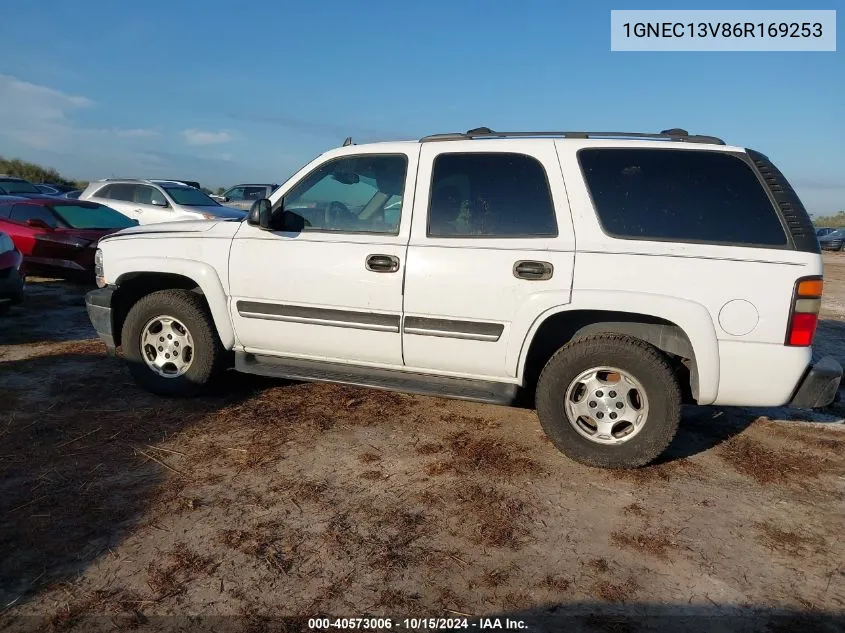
<point>92,216</point>
<point>235,194</point>
<point>24,212</point>
<point>494,195</point>
<point>145,194</point>
<point>680,195</point>
<point>350,195</point>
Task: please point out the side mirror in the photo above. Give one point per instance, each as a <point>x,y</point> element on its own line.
<point>38,224</point>
<point>224,198</point>
<point>260,214</point>
<point>158,203</point>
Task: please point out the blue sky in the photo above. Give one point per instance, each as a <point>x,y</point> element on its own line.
<point>223,92</point>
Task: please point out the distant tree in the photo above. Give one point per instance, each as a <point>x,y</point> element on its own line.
<point>206,190</point>
<point>32,172</point>
<point>836,221</point>
<point>220,190</point>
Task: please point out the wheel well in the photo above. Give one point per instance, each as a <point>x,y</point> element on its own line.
<point>136,285</point>
<point>560,328</point>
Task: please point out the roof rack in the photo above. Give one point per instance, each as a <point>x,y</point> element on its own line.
<point>674,134</point>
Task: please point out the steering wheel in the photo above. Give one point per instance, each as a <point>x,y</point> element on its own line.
<point>338,213</point>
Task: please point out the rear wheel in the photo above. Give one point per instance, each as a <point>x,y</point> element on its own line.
<point>171,344</point>
<point>609,400</point>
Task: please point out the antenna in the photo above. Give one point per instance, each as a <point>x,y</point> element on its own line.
<point>348,141</point>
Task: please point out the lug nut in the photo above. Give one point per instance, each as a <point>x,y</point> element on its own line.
<point>599,394</point>
<point>612,394</point>
<point>612,416</point>
<point>599,415</point>
<point>167,355</point>
<point>160,348</point>
<point>160,338</point>
<point>169,336</point>
<point>619,405</point>
<point>592,405</point>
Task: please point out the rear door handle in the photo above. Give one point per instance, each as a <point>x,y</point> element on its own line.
<point>534,271</point>
<point>382,263</point>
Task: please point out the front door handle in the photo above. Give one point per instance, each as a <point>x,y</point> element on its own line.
<point>534,271</point>
<point>382,263</point>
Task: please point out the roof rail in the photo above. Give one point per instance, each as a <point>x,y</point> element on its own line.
<point>674,134</point>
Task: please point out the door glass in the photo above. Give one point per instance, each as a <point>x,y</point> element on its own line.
<point>23,212</point>
<point>349,195</point>
<point>235,195</point>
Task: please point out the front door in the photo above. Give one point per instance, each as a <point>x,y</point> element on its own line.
<point>328,284</point>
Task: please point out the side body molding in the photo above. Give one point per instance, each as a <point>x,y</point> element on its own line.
<point>693,318</point>
<point>203,274</point>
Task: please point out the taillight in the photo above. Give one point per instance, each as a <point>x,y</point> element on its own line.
<point>804,313</point>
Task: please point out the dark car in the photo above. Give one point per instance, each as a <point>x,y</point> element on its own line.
<point>73,195</point>
<point>822,231</point>
<point>53,189</point>
<point>12,186</point>
<point>833,241</point>
<point>57,235</point>
<point>12,275</point>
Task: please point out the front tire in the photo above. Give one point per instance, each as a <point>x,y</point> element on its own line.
<point>171,344</point>
<point>609,400</point>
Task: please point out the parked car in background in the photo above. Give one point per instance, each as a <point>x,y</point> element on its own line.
<point>12,275</point>
<point>149,201</point>
<point>12,186</point>
<point>833,241</point>
<point>59,236</point>
<point>52,189</point>
<point>73,195</point>
<point>822,231</point>
<point>242,196</point>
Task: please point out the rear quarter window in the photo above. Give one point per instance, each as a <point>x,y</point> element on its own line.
<point>680,195</point>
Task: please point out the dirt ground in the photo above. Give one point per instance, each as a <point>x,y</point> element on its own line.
<point>271,502</point>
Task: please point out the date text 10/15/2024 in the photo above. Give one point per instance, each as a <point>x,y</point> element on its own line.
<point>412,624</point>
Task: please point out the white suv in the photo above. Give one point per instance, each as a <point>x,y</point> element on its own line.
<point>605,277</point>
<point>152,201</point>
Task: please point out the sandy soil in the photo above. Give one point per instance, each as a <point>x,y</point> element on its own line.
<point>274,500</point>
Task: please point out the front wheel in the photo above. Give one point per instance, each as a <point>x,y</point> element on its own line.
<point>171,344</point>
<point>609,400</point>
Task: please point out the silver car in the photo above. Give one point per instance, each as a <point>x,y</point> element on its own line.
<point>151,201</point>
<point>242,196</point>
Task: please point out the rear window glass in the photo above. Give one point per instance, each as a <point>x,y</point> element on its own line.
<point>92,216</point>
<point>680,195</point>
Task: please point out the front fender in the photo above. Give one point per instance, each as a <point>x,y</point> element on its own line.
<point>693,318</point>
<point>202,274</point>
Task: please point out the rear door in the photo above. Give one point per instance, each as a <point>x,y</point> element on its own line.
<point>487,250</point>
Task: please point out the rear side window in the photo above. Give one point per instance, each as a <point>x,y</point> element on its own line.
<point>23,212</point>
<point>678,195</point>
<point>490,195</point>
<point>116,192</point>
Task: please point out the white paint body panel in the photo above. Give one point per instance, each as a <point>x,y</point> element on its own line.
<point>472,280</point>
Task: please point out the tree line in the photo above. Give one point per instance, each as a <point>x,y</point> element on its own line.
<point>36,173</point>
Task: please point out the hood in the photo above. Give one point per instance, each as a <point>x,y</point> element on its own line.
<point>219,211</point>
<point>183,226</point>
<point>88,234</point>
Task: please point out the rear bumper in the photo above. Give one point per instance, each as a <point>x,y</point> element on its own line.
<point>98,304</point>
<point>819,386</point>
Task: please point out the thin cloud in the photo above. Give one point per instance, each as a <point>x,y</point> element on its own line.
<point>321,129</point>
<point>202,137</point>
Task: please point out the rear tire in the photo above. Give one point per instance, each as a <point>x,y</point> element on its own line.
<point>648,394</point>
<point>185,315</point>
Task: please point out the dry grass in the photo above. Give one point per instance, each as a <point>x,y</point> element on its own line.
<point>635,509</point>
<point>369,458</point>
<point>600,565</point>
<point>767,465</point>
<point>654,544</point>
<point>472,453</point>
<point>556,583</point>
<point>615,592</point>
<point>787,541</point>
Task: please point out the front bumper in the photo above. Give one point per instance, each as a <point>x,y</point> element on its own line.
<point>819,386</point>
<point>98,304</point>
<point>11,286</point>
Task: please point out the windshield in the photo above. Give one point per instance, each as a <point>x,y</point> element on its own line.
<point>92,216</point>
<point>18,186</point>
<point>190,197</point>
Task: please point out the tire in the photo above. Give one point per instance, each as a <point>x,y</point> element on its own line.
<point>638,362</point>
<point>207,356</point>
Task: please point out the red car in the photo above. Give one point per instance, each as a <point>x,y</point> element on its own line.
<point>59,236</point>
<point>12,277</point>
